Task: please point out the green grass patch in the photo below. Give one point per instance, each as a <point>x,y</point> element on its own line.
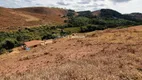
<point>72,29</point>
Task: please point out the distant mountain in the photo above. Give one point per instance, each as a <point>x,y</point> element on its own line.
<point>107,13</point>
<point>15,18</point>
<point>136,15</point>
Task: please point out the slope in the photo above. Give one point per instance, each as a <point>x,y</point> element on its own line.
<point>112,54</point>
<point>14,19</point>
<point>136,15</point>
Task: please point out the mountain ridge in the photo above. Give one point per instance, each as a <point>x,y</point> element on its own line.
<point>17,18</point>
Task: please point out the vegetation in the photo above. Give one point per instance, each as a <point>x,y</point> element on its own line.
<point>108,13</point>
<point>83,22</point>
<point>107,19</point>
<point>9,40</point>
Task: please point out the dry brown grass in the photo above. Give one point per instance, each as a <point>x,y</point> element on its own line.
<point>129,35</point>
<point>28,17</point>
<point>102,55</point>
<point>14,19</point>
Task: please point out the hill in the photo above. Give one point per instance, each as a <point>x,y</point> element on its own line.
<point>9,19</point>
<point>112,54</point>
<point>19,18</point>
<point>136,15</point>
<point>13,19</point>
<point>107,13</point>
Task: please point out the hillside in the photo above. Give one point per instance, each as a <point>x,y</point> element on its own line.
<point>19,18</point>
<point>112,54</point>
<point>107,13</point>
<point>8,19</point>
<point>136,15</point>
<point>14,19</point>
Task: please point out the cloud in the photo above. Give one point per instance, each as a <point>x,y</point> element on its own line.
<point>95,5</point>
<point>63,3</point>
<point>120,1</point>
<point>84,2</point>
<point>98,0</point>
<point>28,1</point>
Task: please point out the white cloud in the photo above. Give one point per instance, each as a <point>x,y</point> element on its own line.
<point>128,7</point>
<point>119,1</point>
<point>124,6</point>
<point>84,2</point>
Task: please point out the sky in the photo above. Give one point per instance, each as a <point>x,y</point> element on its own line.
<point>123,6</point>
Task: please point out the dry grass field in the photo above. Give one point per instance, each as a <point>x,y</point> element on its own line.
<point>14,19</point>
<point>112,54</point>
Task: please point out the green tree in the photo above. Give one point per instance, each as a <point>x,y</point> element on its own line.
<point>79,21</point>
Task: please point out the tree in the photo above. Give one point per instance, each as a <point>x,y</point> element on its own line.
<point>79,21</point>
<point>9,44</point>
<point>49,36</point>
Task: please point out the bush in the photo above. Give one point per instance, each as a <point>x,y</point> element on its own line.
<point>49,36</point>
<point>92,28</point>
<point>79,21</point>
<point>9,44</point>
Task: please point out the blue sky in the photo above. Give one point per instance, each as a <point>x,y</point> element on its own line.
<point>123,6</point>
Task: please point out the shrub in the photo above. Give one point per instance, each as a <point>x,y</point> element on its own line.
<point>9,44</point>
<point>49,36</point>
<point>79,21</point>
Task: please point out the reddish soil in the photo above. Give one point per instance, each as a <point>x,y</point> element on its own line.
<point>13,19</point>
<point>113,54</point>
